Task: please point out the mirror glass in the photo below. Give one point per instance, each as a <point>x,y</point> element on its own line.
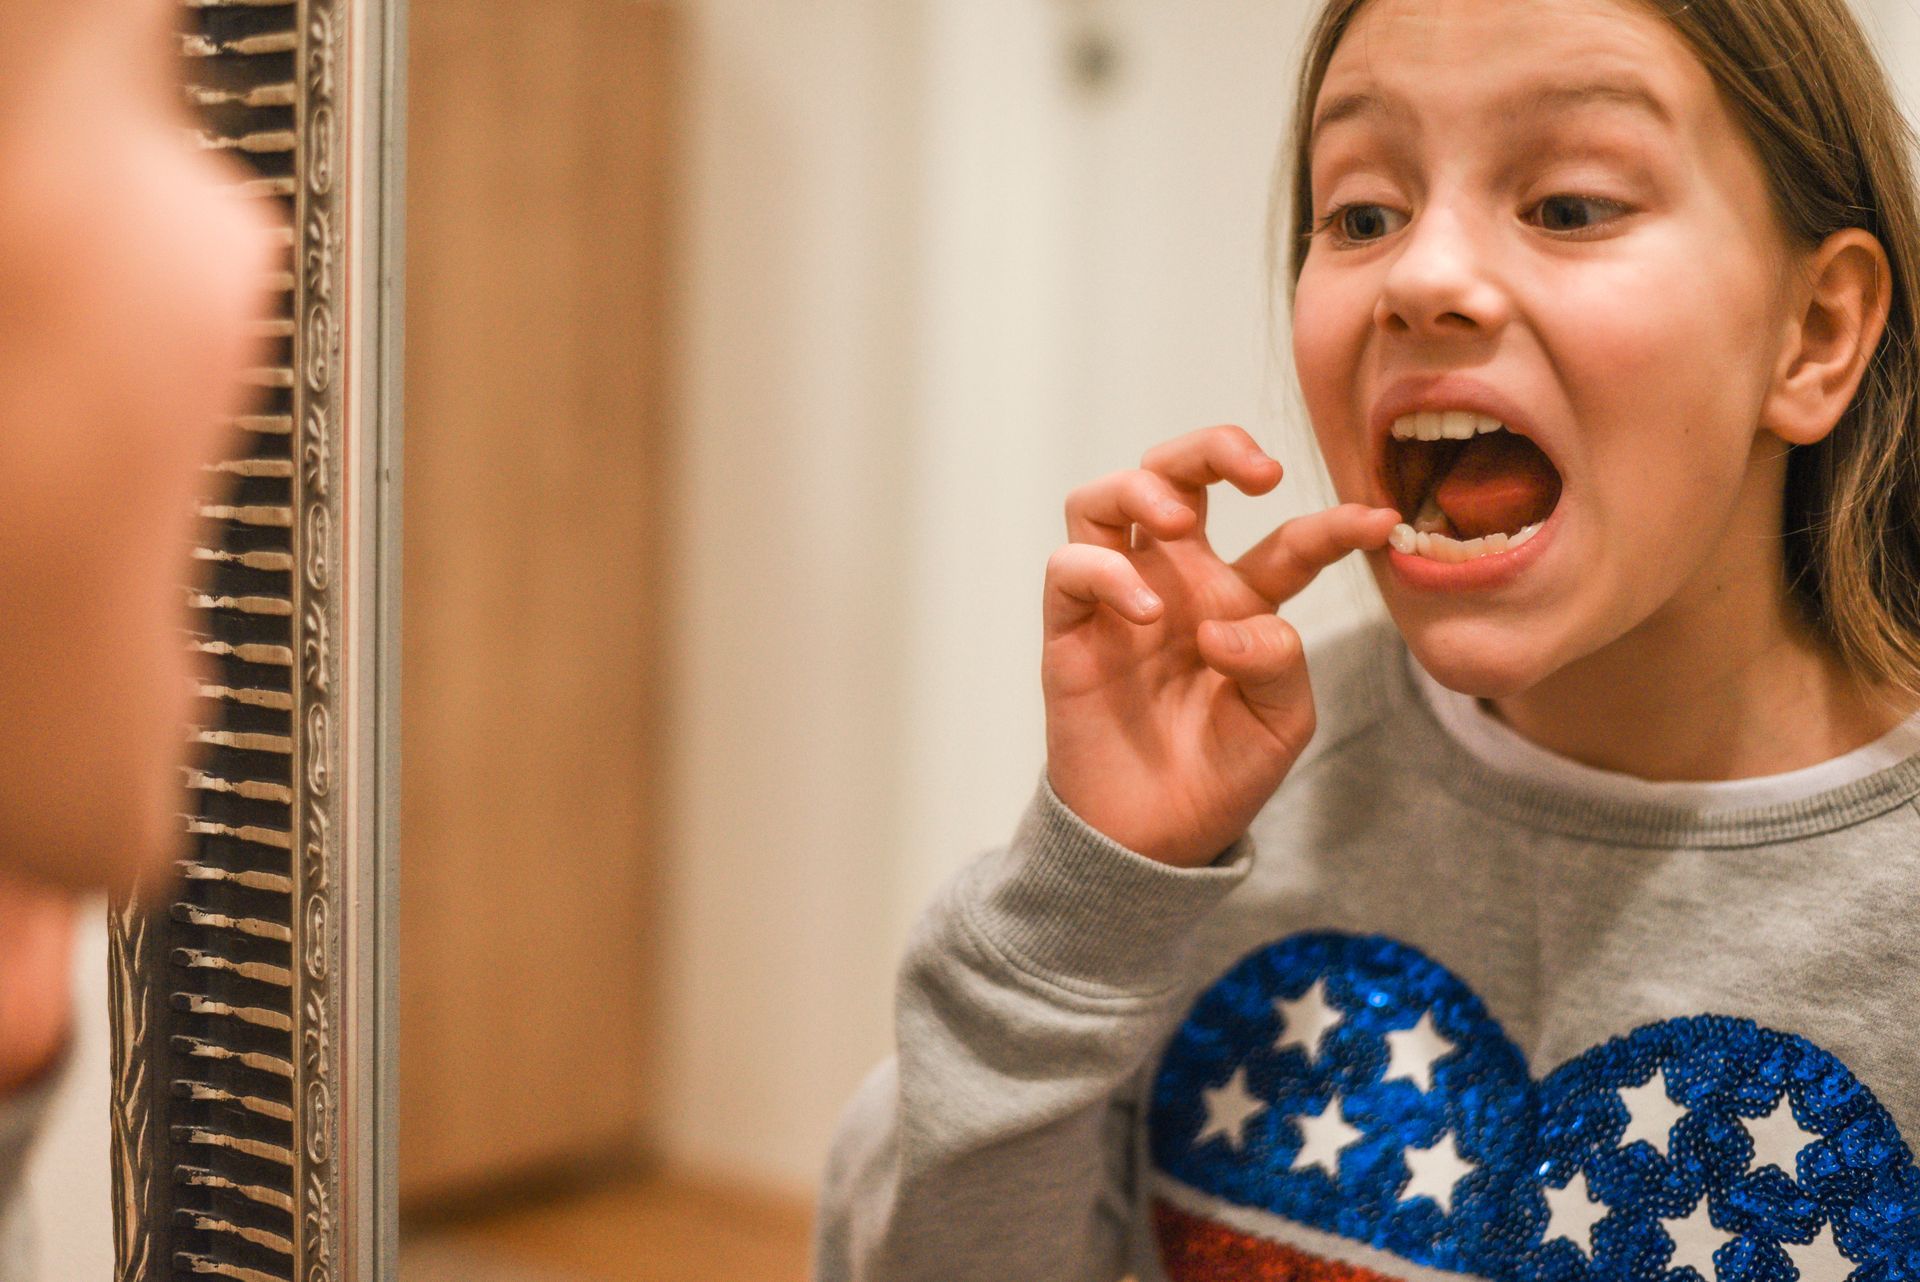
<point>751,349</point>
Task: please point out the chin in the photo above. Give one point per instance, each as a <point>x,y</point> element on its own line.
<point>1484,657</point>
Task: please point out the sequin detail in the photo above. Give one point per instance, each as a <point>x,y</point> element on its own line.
<point>1200,1250</point>
<point>1354,1085</point>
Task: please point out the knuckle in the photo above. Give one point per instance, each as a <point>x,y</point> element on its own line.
<point>1082,496</point>
<point>1300,728</point>
<point>1269,644</point>
<point>1267,647</point>
<point>1157,455</point>
<point>1147,491</point>
<point>1116,581</point>
<point>1227,445</point>
<point>1231,434</point>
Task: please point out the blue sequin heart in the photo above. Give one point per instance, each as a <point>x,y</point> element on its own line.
<point>1354,1085</point>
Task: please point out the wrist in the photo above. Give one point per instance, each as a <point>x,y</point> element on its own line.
<point>1146,835</point>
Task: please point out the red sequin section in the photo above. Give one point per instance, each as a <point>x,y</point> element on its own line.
<point>1197,1250</point>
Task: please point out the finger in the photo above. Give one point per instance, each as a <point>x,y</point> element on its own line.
<point>1264,659</point>
<point>1280,565</point>
<point>1104,511</point>
<point>1198,459</point>
<point>1081,578</point>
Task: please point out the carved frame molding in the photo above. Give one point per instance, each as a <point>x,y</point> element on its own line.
<point>313,88</point>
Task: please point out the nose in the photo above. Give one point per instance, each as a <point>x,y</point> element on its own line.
<point>1440,282</point>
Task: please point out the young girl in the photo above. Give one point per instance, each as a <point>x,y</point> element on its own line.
<point>1583,938</point>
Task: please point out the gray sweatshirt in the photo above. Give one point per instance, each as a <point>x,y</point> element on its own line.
<point>1431,1017</point>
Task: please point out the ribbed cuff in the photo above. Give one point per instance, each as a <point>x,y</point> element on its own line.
<point>1071,904</point>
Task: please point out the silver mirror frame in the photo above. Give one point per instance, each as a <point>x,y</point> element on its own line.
<point>322,1208</point>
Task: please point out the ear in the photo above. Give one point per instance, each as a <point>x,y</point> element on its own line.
<point>1845,289</point>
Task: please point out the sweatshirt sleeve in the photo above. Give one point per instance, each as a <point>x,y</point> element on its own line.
<point>995,1143</point>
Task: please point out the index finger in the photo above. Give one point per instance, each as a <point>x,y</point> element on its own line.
<point>1198,459</point>
<point>1282,564</point>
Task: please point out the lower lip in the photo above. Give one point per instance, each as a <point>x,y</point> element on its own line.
<point>1483,573</point>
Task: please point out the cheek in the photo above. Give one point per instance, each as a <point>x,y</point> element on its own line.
<point>1330,323</point>
<point>188,278</point>
<point>143,277</point>
<point>1664,370</point>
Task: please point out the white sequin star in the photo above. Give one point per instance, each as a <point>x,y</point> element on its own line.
<point>1412,1052</point>
<point>1694,1241</point>
<point>1572,1212</point>
<point>1434,1171</point>
<point>1228,1108</point>
<point>1778,1139</point>
<point>1322,1138</point>
<point>1650,1113</point>
<point>1305,1020</point>
<point>1819,1260</point>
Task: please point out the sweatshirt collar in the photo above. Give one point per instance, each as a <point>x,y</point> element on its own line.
<point>1486,762</point>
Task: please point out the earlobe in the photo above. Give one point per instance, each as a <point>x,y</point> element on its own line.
<point>1847,291</point>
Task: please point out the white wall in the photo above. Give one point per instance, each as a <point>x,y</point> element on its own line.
<point>932,290</point>
<point>68,1184</point>
<point>789,548</point>
<point>1095,285</point>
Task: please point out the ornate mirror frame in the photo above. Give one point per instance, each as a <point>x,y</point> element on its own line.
<point>253,1003</point>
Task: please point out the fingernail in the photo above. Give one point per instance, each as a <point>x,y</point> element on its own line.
<point>1146,601</point>
<point>1232,638</point>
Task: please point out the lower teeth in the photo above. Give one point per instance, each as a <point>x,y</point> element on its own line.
<point>1440,547</point>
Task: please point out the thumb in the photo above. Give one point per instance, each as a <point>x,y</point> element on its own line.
<point>1265,660</point>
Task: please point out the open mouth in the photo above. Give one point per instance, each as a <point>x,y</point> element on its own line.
<point>1467,485</point>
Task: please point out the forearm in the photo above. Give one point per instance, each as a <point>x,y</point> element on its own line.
<point>995,1143</point>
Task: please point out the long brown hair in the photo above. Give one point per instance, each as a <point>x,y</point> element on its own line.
<point>1803,81</point>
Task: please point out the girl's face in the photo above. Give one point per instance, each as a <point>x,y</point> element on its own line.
<point>130,275</point>
<point>1543,214</point>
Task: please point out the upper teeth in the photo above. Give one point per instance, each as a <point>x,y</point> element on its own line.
<point>1433,425</point>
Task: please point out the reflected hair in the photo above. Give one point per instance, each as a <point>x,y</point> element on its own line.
<point>1803,82</point>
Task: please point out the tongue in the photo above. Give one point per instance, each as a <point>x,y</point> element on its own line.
<point>1499,483</point>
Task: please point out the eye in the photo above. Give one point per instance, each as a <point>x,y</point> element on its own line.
<point>1357,222</point>
<point>1569,213</point>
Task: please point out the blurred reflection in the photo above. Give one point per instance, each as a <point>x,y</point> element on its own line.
<point>130,276</point>
<point>730,480</point>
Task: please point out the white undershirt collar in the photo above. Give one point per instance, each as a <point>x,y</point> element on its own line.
<point>1499,747</point>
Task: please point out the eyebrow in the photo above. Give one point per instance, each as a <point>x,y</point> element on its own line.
<point>1531,100</point>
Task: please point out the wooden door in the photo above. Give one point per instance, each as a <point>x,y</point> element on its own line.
<point>536,458</point>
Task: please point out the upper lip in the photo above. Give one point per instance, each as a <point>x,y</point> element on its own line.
<point>1417,392</point>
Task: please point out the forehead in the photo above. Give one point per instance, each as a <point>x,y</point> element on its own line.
<point>1406,60</point>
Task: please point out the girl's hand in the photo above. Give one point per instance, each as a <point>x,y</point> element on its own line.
<point>1177,700</point>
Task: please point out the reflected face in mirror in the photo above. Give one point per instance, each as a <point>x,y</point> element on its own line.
<point>1544,214</point>
<point>131,275</point>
